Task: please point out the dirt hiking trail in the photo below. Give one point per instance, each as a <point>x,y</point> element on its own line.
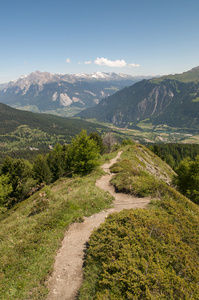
<point>67,276</point>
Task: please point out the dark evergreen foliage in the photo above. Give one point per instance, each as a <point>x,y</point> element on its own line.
<point>83,154</point>
<point>57,161</point>
<point>19,178</point>
<point>187,180</point>
<point>99,141</point>
<point>41,170</point>
<point>27,154</point>
<point>11,119</point>
<point>173,154</point>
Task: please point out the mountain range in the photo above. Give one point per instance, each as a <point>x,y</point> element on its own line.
<point>57,93</point>
<point>172,100</point>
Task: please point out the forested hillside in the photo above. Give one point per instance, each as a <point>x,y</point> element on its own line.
<point>20,179</point>
<point>20,130</point>
<point>173,154</point>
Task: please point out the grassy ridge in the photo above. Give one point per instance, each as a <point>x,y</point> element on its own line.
<point>141,173</point>
<point>32,231</point>
<point>135,254</point>
<point>145,254</point>
<point>189,76</point>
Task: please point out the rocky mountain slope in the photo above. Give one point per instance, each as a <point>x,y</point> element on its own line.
<point>43,91</point>
<point>171,100</point>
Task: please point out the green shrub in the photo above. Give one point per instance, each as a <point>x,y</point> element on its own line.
<point>41,170</point>
<point>83,154</point>
<point>127,142</point>
<point>145,254</point>
<point>187,180</point>
<point>5,190</point>
<point>20,175</point>
<point>132,180</point>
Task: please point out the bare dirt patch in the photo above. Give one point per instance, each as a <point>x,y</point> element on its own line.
<point>67,276</point>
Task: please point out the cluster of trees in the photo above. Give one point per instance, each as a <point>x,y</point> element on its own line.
<point>19,178</point>
<point>187,180</point>
<point>184,159</point>
<point>173,154</point>
<point>26,154</point>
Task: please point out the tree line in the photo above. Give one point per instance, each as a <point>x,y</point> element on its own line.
<point>173,154</point>
<point>20,178</point>
<point>184,159</point>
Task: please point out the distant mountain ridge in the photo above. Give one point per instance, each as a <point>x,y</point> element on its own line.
<point>46,92</point>
<point>172,100</point>
<point>188,76</point>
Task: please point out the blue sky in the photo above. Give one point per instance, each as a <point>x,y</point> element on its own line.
<point>143,37</point>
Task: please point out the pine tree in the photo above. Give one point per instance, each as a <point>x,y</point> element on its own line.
<point>5,189</point>
<point>83,154</point>
<point>41,170</point>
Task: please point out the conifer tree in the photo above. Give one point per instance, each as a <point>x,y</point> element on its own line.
<point>187,180</point>
<point>41,170</point>
<point>5,189</point>
<point>20,177</point>
<point>57,161</point>
<point>83,154</point>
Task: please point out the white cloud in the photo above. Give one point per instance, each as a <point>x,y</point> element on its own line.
<point>134,65</point>
<point>68,60</point>
<point>106,62</point>
<point>87,62</point>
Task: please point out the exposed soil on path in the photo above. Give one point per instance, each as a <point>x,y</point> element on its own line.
<point>67,276</point>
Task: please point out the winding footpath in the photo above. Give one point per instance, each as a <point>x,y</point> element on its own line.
<point>67,276</point>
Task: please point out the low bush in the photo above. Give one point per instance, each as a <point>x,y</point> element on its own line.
<point>132,180</point>
<point>145,254</point>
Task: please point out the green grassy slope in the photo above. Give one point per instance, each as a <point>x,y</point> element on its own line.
<point>31,233</point>
<point>189,76</point>
<point>145,254</point>
<point>136,254</point>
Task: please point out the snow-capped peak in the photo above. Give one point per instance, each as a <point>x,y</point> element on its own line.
<point>40,78</point>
